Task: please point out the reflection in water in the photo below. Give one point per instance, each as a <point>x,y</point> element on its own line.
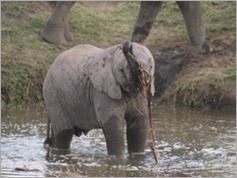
<point>195,143</point>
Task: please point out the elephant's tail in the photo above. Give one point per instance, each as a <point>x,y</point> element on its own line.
<point>48,139</point>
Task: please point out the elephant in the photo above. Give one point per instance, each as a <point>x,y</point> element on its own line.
<point>88,87</point>
<point>56,29</point>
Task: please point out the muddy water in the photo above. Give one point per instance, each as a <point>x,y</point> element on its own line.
<point>190,143</point>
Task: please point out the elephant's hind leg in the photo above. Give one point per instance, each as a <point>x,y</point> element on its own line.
<point>62,129</point>
<point>195,26</point>
<point>63,139</point>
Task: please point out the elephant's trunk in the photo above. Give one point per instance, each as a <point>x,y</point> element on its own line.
<point>134,66</point>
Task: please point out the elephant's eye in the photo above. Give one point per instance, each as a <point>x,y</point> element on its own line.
<point>121,70</point>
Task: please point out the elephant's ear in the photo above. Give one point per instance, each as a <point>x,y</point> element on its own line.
<point>102,76</point>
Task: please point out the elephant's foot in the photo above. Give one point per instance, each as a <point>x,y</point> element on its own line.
<point>68,36</point>
<point>55,37</point>
<point>206,47</point>
<point>54,34</point>
<point>58,37</point>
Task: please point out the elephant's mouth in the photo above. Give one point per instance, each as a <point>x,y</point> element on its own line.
<point>126,88</point>
<point>131,89</point>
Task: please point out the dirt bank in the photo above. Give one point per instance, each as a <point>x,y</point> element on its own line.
<point>204,80</point>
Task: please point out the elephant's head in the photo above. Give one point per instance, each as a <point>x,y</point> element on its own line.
<point>125,68</point>
<point>139,70</point>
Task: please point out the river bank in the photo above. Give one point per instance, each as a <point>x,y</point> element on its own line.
<point>204,80</point>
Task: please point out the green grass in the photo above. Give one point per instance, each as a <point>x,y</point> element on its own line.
<point>202,87</point>
<point>102,25</point>
<point>230,72</point>
<point>26,57</point>
<point>220,11</point>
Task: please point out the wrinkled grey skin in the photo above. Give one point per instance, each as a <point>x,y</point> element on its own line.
<point>191,11</point>
<point>90,88</point>
<point>56,29</point>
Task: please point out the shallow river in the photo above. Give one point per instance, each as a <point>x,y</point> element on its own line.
<point>190,143</point>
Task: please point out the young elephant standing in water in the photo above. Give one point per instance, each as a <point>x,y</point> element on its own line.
<point>90,88</point>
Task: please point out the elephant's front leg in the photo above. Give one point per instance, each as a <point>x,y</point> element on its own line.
<point>145,19</point>
<point>56,29</point>
<point>114,135</point>
<point>137,130</point>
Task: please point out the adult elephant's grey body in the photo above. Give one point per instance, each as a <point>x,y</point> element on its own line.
<point>88,88</point>
<point>56,29</point>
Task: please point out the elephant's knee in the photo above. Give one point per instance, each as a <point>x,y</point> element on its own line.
<point>146,17</point>
<point>140,33</point>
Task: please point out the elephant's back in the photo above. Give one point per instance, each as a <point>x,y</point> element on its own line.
<point>68,68</point>
<point>85,49</point>
<point>73,60</point>
<point>77,53</point>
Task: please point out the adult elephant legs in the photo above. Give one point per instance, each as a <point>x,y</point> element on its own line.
<point>191,13</point>
<point>145,19</point>
<point>56,29</point>
<point>195,27</point>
